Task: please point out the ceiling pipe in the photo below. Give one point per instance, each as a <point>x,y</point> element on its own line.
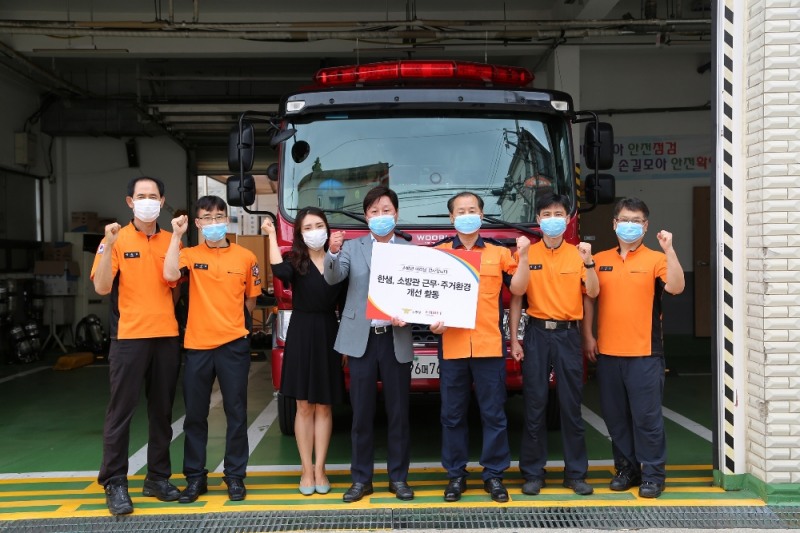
<point>308,36</point>
<point>53,81</point>
<point>263,26</point>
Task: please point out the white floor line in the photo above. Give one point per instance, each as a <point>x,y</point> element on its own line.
<point>138,460</point>
<point>46,475</point>
<point>594,420</point>
<point>26,373</point>
<point>257,429</point>
<point>689,424</point>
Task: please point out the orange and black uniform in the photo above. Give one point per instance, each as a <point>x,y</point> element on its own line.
<point>217,343</point>
<point>477,357</point>
<point>555,305</point>
<point>630,367</point>
<point>144,350</point>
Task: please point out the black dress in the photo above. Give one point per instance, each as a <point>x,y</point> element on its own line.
<point>312,370</point>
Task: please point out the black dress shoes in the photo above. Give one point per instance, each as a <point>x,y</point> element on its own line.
<point>117,498</point>
<point>236,489</point>
<point>193,490</point>
<point>496,490</point>
<point>625,479</point>
<point>357,491</point>
<point>456,486</point>
<point>163,490</point>
<point>401,490</point>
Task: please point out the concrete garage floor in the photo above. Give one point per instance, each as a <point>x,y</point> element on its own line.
<point>50,444</point>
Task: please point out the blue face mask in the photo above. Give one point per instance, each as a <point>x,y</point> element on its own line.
<point>214,232</point>
<point>467,224</point>
<point>381,225</point>
<point>629,232</point>
<point>553,226</point>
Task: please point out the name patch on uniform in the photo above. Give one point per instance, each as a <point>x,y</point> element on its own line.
<point>131,255</point>
<point>606,269</point>
<point>201,266</point>
<point>534,267</point>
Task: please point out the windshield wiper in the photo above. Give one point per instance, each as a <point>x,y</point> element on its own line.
<point>361,218</point>
<point>500,221</point>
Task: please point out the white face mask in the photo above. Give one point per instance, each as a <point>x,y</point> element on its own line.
<point>146,210</point>
<point>315,238</point>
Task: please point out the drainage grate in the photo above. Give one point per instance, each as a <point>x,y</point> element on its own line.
<point>779,517</point>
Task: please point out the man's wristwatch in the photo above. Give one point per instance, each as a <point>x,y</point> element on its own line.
<point>590,265</point>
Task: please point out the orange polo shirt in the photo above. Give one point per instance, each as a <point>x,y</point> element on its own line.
<point>629,304</point>
<point>141,301</point>
<point>486,339</point>
<point>556,285</point>
<point>219,281</point>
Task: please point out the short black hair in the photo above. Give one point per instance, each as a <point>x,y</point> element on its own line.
<point>210,203</point>
<point>632,204</point>
<point>132,184</point>
<point>376,193</point>
<point>462,194</point>
<point>551,198</point>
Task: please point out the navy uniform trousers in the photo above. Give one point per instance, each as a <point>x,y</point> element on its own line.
<point>488,374</point>
<point>230,364</point>
<point>631,395</point>
<point>560,348</point>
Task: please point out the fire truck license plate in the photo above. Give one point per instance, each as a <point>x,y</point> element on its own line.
<point>425,366</point>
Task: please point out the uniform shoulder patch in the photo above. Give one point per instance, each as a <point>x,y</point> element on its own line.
<point>255,270</point>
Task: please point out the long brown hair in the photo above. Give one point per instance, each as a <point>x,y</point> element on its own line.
<point>299,255</point>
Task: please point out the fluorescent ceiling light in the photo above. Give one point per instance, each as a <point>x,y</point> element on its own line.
<point>79,51</point>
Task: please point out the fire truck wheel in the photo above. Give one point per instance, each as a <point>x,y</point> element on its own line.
<point>553,416</point>
<point>287,410</point>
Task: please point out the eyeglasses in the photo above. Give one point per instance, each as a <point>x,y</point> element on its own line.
<point>207,219</point>
<point>634,220</point>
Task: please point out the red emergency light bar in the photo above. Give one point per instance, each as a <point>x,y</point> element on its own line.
<point>406,70</point>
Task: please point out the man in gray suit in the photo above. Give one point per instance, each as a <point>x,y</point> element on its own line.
<point>374,348</point>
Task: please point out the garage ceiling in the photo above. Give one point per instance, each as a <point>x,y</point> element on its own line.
<point>188,68</point>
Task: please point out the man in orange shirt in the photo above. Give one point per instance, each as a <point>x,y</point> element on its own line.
<point>477,357</point>
<point>144,344</point>
<point>560,274</point>
<point>629,348</point>
<point>223,285</point>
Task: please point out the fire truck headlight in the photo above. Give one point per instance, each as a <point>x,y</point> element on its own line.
<point>523,322</point>
<point>282,324</point>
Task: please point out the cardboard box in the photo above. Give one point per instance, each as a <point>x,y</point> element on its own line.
<point>60,278</point>
<point>259,245</point>
<point>57,251</point>
<point>83,221</point>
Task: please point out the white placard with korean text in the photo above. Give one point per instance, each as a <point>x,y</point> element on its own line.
<point>423,285</point>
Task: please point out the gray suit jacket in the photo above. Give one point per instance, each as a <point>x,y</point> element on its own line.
<point>353,261</point>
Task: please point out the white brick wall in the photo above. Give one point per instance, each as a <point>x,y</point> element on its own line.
<point>772,148</point>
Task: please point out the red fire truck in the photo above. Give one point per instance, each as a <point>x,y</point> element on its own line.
<point>428,130</point>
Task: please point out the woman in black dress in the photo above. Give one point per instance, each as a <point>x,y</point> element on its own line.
<point>312,371</point>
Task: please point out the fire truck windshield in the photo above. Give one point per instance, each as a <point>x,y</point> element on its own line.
<point>332,161</point>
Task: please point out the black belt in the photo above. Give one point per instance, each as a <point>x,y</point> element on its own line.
<point>380,330</point>
<point>553,324</point>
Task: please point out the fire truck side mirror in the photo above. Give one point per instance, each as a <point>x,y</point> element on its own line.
<point>241,148</point>
<point>601,137</point>
<point>600,191</point>
<point>272,172</point>
<point>244,198</point>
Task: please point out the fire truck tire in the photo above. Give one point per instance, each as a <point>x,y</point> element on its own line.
<point>553,416</point>
<point>287,410</point>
